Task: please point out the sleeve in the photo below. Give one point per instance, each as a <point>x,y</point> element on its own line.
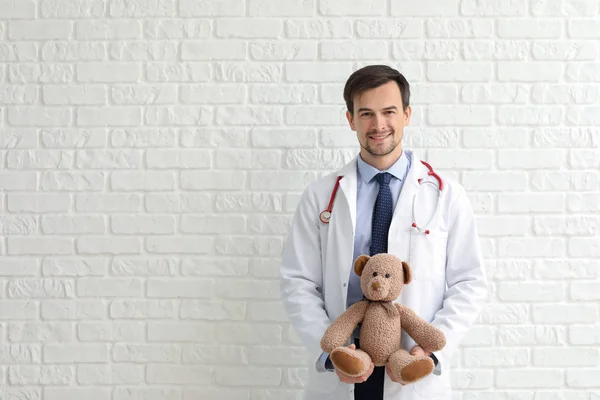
<point>465,278</point>
<point>301,277</point>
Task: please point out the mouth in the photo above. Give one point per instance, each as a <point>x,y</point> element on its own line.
<point>379,137</point>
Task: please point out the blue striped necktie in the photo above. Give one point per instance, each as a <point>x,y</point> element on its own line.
<point>382,215</point>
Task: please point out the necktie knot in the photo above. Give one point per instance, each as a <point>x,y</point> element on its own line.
<point>383,178</point>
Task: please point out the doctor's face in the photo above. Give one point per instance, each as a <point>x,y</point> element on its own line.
<point>379,121</point>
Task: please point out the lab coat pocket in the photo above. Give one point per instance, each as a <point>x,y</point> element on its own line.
<point>428,255</point>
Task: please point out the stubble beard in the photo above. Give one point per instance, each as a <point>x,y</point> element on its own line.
<point>380,153</point>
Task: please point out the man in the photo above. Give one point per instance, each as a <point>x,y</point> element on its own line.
<point>387,202</point>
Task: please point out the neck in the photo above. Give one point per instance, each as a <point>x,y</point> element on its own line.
<point>380,162</point>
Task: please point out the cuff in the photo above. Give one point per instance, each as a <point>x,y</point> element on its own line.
<point>438,368</point>
<point>324,364</point>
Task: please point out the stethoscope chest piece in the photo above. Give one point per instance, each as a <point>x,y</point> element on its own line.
<point>325,217</point>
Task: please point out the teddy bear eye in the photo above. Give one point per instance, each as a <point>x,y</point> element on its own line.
<point>374,273</point>
<point>387,275</point>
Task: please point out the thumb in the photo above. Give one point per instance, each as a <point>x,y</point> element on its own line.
<point>352,346</point>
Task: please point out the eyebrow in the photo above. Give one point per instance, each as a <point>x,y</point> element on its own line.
<point>385,109</point>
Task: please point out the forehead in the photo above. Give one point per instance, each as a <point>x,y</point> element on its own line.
<point>380,97</point>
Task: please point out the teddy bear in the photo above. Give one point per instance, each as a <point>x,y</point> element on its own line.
<point>382,278</point>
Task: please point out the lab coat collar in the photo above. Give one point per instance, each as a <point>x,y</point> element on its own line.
<point>367,172</point>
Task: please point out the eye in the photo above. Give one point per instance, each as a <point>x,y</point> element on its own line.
<point>374,273</point>
<point>387,275</point>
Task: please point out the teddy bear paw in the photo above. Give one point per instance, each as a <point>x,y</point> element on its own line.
<point>351,362</point>
<point>416,370</point>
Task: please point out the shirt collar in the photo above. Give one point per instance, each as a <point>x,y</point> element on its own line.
<point>367,172</point>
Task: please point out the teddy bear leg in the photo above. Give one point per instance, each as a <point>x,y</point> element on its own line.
<point>406,368</point>
<point>351,362</point>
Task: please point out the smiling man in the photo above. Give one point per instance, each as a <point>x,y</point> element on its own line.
<point>389,201</point>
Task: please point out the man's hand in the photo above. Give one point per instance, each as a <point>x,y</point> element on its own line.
<point>352,379</point>
<point>418,351</point>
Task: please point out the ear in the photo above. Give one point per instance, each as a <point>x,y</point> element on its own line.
<point>360,263</point>
<point>407,272</point>
<point>350,119</point>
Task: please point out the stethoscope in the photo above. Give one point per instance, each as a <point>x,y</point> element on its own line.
<point>325,215</point>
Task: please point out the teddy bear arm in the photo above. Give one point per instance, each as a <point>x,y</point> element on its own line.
<point>341,329</point>
<point>423,333</point>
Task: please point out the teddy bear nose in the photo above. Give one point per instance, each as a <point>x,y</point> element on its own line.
<point>375,285</point>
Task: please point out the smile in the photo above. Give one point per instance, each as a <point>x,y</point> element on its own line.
<point>379,137</point>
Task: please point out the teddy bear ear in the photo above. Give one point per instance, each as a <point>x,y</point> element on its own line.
<point>360,263</point>
<point>407,272</point>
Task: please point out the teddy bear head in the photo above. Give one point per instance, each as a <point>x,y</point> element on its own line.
<point>382,276</point>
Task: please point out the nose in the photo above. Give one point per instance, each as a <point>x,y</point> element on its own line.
<point>380,123</point>
<point>375,285</point>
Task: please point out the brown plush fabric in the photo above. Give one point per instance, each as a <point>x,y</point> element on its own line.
<point>382,278</point>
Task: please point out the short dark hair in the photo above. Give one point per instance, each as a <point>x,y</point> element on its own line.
<point>373,76</point>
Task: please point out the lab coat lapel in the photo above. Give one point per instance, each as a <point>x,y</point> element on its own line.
<point>349,188</point>
<point>400,229</point>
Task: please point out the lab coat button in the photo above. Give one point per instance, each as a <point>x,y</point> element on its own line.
<point>344,284</point>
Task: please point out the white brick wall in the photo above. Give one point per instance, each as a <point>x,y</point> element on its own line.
<point>152,153</point>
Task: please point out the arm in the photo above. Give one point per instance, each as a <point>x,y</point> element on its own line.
<point>465,278</point>
<point>341,329</point>
<point>301,276</point>
<point>424,334</point>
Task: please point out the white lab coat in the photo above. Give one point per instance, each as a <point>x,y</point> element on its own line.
<point>448,287</point>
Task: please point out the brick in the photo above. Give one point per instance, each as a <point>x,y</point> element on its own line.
<point>112,244</point>
<point>73,309</point>
<point>249,72</point>
<point>211,8</point>
<point>497,8</point>
<point>110,375</point>
<point>143,138</point>
<point>277,8</point>
<point>325,72</point>
<point>108,29</point>
<point>142,309</point>
<point>213,50</point>
<point>517,28</point>
<point>564,313</point>
<point>529,71</point>
<point>427,8</point>
<point>111,331</point>
<point>583,28</point>
<point>142,224</point>
<point>347,50</point>
<point>74,95</point>
<point>196,331</point>
<point>459,72</point>
<point>248,28</point>
<point>41,332</point>
<point>143,51</point>
<point>44,375</point>
<point>318,28</point>
<point>141,8</point>
<point>75,353</point>
<point>75,393</point>
<point>72,8</point>
<point>458,27</point>
<point>39,30</point>
<point>39,116</point>
<point>77,138</point>
<point>177,29</point>
<point>10,9</point>
<point>529,378</point>
<point>113,72</point>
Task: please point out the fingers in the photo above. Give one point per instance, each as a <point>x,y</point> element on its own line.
<point>351,379</point>
<point>352,346</point>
